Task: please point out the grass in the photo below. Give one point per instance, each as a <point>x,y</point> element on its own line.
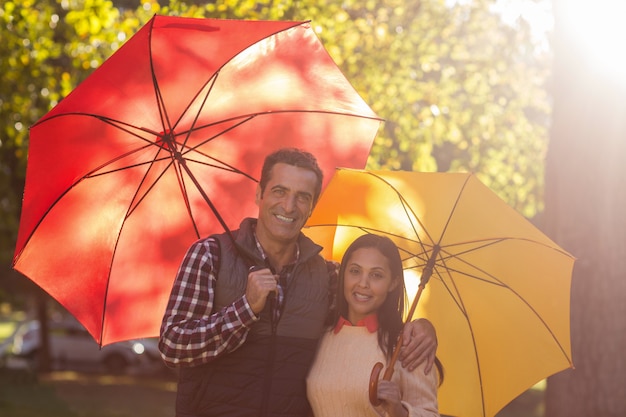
<point>26,399</point>
<point>72,394</point>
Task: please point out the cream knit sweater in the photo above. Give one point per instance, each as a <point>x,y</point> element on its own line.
<point>338,383</point>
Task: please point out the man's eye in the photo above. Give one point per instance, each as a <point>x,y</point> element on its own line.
<point>304,198</point>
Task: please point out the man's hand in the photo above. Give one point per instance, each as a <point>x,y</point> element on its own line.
<point>419,344</point>
<point>260,284</point>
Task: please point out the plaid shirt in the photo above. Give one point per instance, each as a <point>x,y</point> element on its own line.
<point>190,334</point>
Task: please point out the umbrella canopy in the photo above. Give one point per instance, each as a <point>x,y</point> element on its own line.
<point>499,292</point>
<point>161,145</point>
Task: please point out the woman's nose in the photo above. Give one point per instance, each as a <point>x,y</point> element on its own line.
<point>364,281</point>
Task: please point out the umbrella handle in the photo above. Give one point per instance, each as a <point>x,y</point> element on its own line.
<point>375,375</point>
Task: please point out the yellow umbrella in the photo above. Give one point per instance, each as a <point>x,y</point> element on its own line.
<point>499,292</point>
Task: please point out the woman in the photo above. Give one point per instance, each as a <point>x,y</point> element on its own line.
<point>370,304</point>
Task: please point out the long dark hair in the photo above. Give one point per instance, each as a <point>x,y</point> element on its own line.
<point>391,312</point>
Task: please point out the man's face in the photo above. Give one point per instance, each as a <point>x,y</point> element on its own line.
<point>286,203</point>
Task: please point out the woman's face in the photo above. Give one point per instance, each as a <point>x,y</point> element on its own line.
<point>366,282</point>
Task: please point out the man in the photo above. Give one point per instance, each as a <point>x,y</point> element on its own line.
<point>248,308</point>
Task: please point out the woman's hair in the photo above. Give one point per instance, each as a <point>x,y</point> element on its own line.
<point>390,312</point>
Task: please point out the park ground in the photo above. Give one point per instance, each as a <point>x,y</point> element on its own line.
<point>90,394</point>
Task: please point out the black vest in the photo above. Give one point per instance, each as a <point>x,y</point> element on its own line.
<point>266,376</point>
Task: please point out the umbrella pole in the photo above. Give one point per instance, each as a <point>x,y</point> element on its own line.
<point>215,212</point>
<point>375,375</point>
<point>219,218</point>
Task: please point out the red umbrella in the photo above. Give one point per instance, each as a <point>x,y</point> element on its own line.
<point>160,146</point>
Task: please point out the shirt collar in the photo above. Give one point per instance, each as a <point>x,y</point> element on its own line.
<point>369,322</point>
<point>264,256</point>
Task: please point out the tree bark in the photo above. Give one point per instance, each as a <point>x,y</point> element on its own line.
<point>585,212</point>
<point>43,358</point>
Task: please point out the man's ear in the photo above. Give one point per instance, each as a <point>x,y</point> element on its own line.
<point>311,210</point>
<point>259,195</point>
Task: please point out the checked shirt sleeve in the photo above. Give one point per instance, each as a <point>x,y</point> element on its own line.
<point>190,334</point>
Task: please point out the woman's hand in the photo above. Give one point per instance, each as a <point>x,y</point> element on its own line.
<point>389,394</point>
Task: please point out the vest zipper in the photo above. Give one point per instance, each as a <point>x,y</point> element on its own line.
<point>269,375</point>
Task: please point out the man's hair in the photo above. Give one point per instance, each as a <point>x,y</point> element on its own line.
<point>297,158</point>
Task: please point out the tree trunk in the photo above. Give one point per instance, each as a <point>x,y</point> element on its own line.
<point>43,359</point>
<point>585,212</point>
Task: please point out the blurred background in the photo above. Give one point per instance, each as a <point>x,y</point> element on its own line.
<point>528,94</point>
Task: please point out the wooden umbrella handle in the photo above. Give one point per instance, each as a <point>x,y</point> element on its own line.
<point>375,375</point>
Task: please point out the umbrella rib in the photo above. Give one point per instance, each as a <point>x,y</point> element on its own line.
<point>450,285</point>
<point>118,124</point>
<point>500,283</point>
<point>406,205</point>
<point>407,208</point>
<point>135,203</point>
<point>123,126</point>
<point>249,116</point>
<point>458,300</point>
<point>131,208</point>
<point>157,90</point>
<point>212,81</point>
<point>231,168</point>
<point>454,206</point>
<point>213,78</point>
<point>494,240</point>
<point>90,174</point>
<point>244,119</point>
<point>183,189</point>
<point>162,113</point>
<point>380,231</point>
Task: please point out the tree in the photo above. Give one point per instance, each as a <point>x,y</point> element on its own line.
<point>459,89</point>
<point>585,203</point>
<point>26,44</point>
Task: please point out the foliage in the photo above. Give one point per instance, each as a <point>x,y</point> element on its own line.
<point>459,89</point>
<point>26,44</point>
